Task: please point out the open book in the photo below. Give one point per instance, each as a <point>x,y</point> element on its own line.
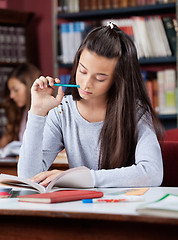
<point>11,149</point>
<point>79,177</point>
<point>167,206</point>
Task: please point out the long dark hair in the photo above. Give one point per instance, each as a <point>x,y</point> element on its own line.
<point>128,100</point>
<point>27,74</point>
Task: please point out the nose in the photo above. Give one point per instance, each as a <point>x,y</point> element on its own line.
<point>87,83</point>
<point>11,95</point>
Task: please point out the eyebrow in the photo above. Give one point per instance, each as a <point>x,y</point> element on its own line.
<point>103,74</point>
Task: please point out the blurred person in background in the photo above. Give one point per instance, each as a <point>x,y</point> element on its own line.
<point>17,101</point>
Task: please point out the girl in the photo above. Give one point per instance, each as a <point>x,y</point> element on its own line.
<point>17,101</point>
<point>107,125</point>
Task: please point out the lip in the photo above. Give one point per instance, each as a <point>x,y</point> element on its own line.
<point>85,92</point>
<point>17,103</point>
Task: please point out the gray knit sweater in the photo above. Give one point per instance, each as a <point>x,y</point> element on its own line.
<point>64,127</point>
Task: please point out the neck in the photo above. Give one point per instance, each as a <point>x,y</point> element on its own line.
<point>92,111</point>
<point>95,103</point>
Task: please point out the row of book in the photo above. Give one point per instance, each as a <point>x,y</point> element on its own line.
<point>154,36</point>
<point>161,87</point>
<point>160,43</point>
<point>71,35</point>
<point>12,44</point>
<point>86,5</point>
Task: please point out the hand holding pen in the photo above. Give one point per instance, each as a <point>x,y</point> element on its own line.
<point>42,92</point>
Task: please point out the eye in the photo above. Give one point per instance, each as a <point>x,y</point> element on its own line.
<point>82,71</point>
<point>101,78</point>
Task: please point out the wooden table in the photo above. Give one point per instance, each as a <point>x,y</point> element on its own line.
<point>9,165</point>
<point>75,220</point>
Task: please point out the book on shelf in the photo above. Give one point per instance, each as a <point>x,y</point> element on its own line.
<point>161,87</point>
<point>64,80</point>
<point>142,39</point>
<point>166,91</point>
<point>86,5</point>
<point>170,86</point>
<point>160,29</point>
<point>64,30</point>
<point>139,28</point>
<point>167,206</point>
<point>79,177</point>
<point>72,34</point>
<point>161,93</point>
<point>155,94</point>
<point>21,44</point>
<point>61,196</point>
<point>115,4</point>
<point>170,32</point>
<point>150,80</point>
<point>12,44</point>
<point>148,77</point>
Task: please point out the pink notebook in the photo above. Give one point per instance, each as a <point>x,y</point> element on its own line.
<point>60,196</point>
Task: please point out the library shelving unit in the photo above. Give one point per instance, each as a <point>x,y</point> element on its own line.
<point>13,46</point>
<point>14,20</point>
<point>169,121</point>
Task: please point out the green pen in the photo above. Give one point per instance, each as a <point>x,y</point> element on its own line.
<point>65,85</point>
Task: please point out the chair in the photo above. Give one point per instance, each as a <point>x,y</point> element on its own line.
<point>170,163</point>
<point>171,135</point>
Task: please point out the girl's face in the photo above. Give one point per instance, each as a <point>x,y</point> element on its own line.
<point>18,91</point>
<point>94,75</point>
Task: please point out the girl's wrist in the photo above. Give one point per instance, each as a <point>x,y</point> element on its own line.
<point>38,111</point>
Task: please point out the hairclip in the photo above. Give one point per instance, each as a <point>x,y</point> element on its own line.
<point>110,24</point>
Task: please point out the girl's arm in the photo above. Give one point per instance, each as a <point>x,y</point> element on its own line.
<point>148,167</point>
<point>33,158</point>
<point>31,154</point>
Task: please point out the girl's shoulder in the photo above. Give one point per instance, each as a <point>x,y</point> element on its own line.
<point>67,99</point>
<point>68,102</point>
<point>65,108</point>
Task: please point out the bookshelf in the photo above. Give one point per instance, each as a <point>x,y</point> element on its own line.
<point>120,12</point>
<point>15,24</point>
<point>13,47</point>
<point>156,62</point>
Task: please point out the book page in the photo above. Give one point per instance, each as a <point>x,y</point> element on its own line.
<point>167,206</point>
<point>169,202</point>
<point>20,182</point>
<point>11,149</point>
<point>79,177</point>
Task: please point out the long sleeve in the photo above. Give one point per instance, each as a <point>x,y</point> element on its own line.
<point>30,151</point>
<point>148,167</point>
